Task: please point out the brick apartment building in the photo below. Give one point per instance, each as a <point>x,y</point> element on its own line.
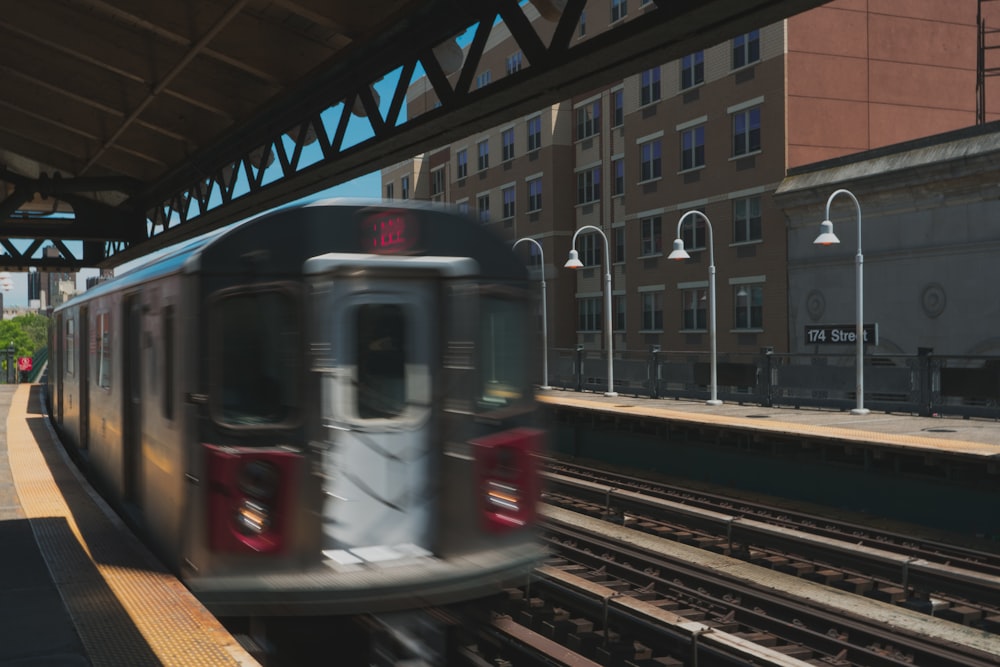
<point>714,131</point>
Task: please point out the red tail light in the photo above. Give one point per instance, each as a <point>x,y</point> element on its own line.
<point>249,498</point>
<point>508,477</point>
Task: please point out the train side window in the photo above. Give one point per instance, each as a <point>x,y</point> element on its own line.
<point>256,341</point>
<point>70,347</point>
<point>381,356</point>
<point>168,362</point>
<point>104,350</point>
<point>503,357</point>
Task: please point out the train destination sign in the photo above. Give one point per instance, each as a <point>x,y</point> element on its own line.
<point>840,334</point>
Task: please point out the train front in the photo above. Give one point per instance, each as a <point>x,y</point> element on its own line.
<point>408,478</point>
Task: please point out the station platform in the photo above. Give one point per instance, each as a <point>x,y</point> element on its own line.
<point>76,587</point>
<point>930,472</point>
<point>975,439</point>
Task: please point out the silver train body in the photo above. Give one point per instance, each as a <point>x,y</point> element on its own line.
<point>323,410</point>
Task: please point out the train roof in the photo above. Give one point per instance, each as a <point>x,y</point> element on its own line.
<point>284,238</point>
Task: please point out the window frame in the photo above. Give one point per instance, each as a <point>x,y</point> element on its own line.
<point>588,120</point>
<point>746,141</point>
<point>534,198</point>
<point>619,10</point>
<point>649,86</point>
<point>744,222</point>
<point>589,313</point>
<point>588,184</point>
<point>483,213</point>
<point>462,163</point>
<point>507,144</point>
<point>650,236</point>
<point>692,70</point>
<point>693,156</point>
<point>534,133</point>
<point>650,160</point>
<point>751,323</point>
<point>483,154</point>
<point>745,49</point>
<point>652,311</point>
<point>508,197</point>
<point>694,309</point>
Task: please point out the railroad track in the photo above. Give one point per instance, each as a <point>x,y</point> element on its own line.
<point>965,589</point>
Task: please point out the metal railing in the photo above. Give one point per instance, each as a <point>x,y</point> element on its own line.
<point>923,384</point>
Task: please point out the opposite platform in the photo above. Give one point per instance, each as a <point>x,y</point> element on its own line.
<point>965,438</point>
<point>76,587</point>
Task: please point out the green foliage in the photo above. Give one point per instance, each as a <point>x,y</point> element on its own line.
<point>37,328</point>
<point>27,333</point>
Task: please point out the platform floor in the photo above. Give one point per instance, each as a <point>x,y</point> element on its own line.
<point>76,587</point>
<point>962,437</point>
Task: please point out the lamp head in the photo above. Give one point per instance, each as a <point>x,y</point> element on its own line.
<point>826,235</point>
<point>574,260</point>
<point>678,252</point>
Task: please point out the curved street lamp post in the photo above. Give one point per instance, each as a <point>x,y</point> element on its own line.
<point>574,263</point>
<point>545,315</point>
<point>678,253</point>
<point>827,237</point>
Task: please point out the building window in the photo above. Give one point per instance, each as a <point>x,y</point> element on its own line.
<point>693,233</point>
<point>746,49</point>
<point>619,9</point>
<point>437,182</point>
<point>462,163</point>
<point>695,303</point>
<point>746,219</point>
<point>652,311</point>
<point>535,194</point>
<point>507,141</point>
<point>590,314</point>
<point>534,259</point>
<point>693,148</point>
<point>484,154</point>
<point>649,160</point>
<point>483,79</point>
<point>583,23</point>
<point>483,206</point>
<point>534,133</point>
<point>619,313</point>
<point>404,187</point>
<point>388,190</point>
<point>649,90</point>
<point>508,196</point>
<point>619,244</point>
<point>746,131</point>
<point>693,69</point>
<point>618,108</point>
<point>749,300</point>
<point>590,249</point>
<point>588,185</point>
<point>463,207</point>
<point>588,120</point>
<point>618,169</point>
<point>513,63</point>
<point>650,236</point>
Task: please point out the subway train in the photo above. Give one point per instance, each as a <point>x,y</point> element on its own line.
<point>323,410</point>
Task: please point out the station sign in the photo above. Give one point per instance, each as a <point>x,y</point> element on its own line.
<point>840,334</point>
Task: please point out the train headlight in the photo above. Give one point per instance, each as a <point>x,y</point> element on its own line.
<point>253,518</point>
<point>259,479</point>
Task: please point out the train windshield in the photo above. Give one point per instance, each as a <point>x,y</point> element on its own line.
<point>381,356</point>
<point>257,342</point>
<point>503,359</point>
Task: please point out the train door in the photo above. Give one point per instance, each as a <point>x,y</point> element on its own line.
<point>59,369</point>
<point>131,347</point>
<point>85,379</point>
<point>382,333</point>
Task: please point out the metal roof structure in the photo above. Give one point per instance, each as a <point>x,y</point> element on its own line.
<point>127,126</point>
